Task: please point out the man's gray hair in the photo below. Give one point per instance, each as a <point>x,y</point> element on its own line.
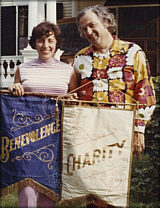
<point>102,13</point>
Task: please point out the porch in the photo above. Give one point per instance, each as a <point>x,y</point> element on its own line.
<point>8,68</point>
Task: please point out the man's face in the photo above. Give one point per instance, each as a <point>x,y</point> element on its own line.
<point>46,47</point>
<point>93,29</point>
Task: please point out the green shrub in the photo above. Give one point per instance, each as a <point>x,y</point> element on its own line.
<point>9,201</point>
<point>145,182</point>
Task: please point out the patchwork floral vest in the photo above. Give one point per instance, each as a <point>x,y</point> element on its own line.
<point>121,75</point>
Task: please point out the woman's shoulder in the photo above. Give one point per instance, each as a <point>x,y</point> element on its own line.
<point>62,63</point>
<point>29,64</point>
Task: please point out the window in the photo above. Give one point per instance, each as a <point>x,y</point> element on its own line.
<point>139,25</point>
<point>11,39</point>
<point>8,31</point>
<point>22,27</point>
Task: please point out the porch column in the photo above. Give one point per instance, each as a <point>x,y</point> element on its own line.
<point>74,8</point>
<point>41,11</point>
<point>51,11</point>
<point>35,16</point>
<point>32,16</point>
<point>52,17</point>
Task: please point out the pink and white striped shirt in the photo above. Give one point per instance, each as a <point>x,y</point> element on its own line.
<point>50,77</point>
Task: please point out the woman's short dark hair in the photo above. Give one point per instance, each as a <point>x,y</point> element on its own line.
<point>44,29</point>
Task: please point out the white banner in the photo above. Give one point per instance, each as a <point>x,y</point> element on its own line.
<point>97,153</point>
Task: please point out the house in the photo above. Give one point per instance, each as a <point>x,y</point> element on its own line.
<point>138,21</point>
<point>18,17</point>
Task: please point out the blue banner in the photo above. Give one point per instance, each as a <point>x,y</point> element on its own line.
<point>30,140</point>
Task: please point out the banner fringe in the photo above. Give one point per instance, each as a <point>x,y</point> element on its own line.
<point>29,182</point>
<point>89,199</point>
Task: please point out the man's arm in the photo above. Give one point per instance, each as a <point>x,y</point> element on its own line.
<point>145,95</point>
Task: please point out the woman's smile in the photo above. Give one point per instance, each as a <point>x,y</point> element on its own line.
<point>46,47</point>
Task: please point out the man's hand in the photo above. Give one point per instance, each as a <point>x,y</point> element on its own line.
<point>138,143</point>
<point>73,96</point>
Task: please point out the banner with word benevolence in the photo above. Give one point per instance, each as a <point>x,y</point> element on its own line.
<point>30,141</point>
<point>97,153</point>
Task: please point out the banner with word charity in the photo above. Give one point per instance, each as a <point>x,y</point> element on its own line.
<point>97,153</point>
<point>30,145</point>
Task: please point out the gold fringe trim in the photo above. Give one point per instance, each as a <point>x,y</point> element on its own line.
<point>90,199</point>
<point>29,182</point>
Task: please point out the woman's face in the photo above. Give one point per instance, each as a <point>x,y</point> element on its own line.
<point>46,47</point>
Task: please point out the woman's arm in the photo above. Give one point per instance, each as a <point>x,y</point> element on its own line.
<point>73,84</point>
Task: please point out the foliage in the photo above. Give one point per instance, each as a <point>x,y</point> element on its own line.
<point>153,128</point>
<point>145,184</point>
<point>9,201</point>
<point>145,180</point>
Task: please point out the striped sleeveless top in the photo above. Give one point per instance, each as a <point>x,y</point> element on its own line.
<point>50,77</point>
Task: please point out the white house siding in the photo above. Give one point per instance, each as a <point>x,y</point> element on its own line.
<point>67,5</point>
<point>85,3</point>
<point>67,8</point>
<point>13,2</point>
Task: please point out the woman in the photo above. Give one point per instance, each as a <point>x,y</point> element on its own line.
<point>44,75</point>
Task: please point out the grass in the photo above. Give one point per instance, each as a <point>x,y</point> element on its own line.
<point>9,201</point>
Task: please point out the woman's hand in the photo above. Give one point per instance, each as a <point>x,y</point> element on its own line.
<point>16,89</point>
